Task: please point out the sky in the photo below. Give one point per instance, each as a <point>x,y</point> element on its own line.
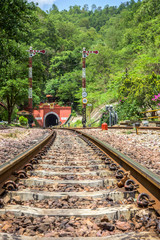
<point>64,4</point>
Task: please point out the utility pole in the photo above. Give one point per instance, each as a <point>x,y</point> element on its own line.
<point>30,100</point>
<point>84,93</point>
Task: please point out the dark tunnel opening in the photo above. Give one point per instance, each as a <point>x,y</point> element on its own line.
<point>51,120</point>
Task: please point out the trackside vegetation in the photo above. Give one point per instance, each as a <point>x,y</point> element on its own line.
<point>126,71</point>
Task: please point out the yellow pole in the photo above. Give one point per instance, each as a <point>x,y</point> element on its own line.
<point>137,130</point>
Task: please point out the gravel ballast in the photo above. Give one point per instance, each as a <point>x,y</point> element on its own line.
<point>144,147</point>
<point>16,140</point>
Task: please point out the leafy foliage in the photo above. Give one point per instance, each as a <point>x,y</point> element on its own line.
<point>126,68</point>
<point>23,121</point>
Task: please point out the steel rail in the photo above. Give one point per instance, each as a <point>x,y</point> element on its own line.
<point>148,181</point>
<point>113,127</point>
<point>8,169</point>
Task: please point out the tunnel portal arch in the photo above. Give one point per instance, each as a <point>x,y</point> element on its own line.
<point>51,119</point>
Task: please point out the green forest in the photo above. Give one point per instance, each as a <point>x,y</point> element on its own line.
<point>126,71</point>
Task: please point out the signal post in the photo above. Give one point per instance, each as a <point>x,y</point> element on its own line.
<point>30,100</point>
<point>84,93</point>
<point>84,87</point>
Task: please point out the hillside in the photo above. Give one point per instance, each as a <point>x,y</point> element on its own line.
<point>125,70</point>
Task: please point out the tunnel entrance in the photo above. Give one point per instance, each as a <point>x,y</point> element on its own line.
<point>51,120</point>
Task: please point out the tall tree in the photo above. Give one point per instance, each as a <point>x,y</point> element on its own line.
<point>13,87</point>
<point>93,7</point>
<point>15,21</point>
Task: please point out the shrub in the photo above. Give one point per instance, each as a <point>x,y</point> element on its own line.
<point>157,99</point>
<point>23,121</point>
<point>78,123</point>
<point>74,113</point>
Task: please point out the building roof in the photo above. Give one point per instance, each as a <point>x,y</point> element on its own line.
<point>23,112</point>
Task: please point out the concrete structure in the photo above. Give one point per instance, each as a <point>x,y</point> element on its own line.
<point>51,114</point>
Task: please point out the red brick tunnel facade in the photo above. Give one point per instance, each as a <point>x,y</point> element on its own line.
<point>51,114</point>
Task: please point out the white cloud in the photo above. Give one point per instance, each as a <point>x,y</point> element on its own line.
<point>42,3</point>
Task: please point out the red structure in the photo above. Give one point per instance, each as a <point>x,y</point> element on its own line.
<point>104,126</point>
<point>51,114</point>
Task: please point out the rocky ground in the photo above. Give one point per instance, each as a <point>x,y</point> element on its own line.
<point>68,202</point>
<point>73,226</point>
<point>33,211</point>
<point>13,141</point>
<point>72,177</point>
<point>66,188</point>
<point>144,147</point>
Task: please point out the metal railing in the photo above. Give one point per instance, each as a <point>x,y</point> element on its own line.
<point>153,112</point>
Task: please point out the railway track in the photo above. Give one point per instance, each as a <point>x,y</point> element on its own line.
<point>75,188</point>
<point>120,127</point>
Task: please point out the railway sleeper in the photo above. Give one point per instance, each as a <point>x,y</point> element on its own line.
<point>89,204</point>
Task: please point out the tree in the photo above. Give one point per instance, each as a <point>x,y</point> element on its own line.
<point>126,37</point>
<point>14,15</point>
<point>13,87</point>
<point>15,21</point>
<point>54,8</point>
<point>69,85</point>
<point>136,94</point>
<point>93,7</point>
<point>14,92</point>
<point>63,62</point>
<point>75,9</point>
<point>64,88</point>
<point>16,18</point>
<point>85,8</point>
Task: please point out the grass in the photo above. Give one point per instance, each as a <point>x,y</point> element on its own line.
<point>12,134</point>
<point>78,123</point>
<point>129,132</point>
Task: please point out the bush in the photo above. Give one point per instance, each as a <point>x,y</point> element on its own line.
<point>23,121</point>
<point>78,123</point>
<point>74,113</point>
